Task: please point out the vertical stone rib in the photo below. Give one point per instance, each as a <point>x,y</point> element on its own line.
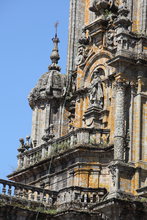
<point>138,155</point>
<point>34,132</point>
<point>119,122</point>
<point>76,22</point>
<point>130,7</point>
<point>131,115</point>
<point>144,16</point>
<point>71,37</point>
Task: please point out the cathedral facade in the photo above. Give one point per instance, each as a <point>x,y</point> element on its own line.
<point>87,155</point>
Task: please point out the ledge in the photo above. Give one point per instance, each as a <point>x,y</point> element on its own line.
<point>66,153</point>
<point>21,206</point>
<point>142,192</point>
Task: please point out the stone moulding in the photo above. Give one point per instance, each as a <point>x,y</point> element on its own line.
<point>63,138</point>
<point>134,208</point>
<point>142,192</point>
<point>73,152</point>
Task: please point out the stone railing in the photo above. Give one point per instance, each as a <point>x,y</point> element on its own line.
<point>27,192</point>
<point>56,146</point>
<point>80,197</point>
<point>74,196</point>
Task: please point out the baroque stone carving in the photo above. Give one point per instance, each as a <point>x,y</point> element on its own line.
<point>113,172</point>
<point>82,55</point>
<point>99,6</point>
<point>49,133</point>
<point>82,49</point>
<point>122,20</point>
<point>111,39</point>
<point>96,92</point>
<point>83,39</point>
<point>25,146</point>
<point>124,3</point>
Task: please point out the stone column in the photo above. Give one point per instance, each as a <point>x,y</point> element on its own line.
<point>119,132</point>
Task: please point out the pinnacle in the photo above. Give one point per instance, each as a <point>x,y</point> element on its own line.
<point>55,52</point>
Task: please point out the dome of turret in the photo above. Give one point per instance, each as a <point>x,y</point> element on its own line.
<point>51,84</point>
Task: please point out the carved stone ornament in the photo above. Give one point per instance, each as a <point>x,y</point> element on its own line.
<point>96,92</point>
<point>84,39</point>
<point>49,133</point>
<point>101,6</point>
<point>113,172</point>
<point>121,85</point>
<point>110,39</point>
<point>25,146</point>
<point>122,20</point>
<point>72,84</point>
<point>82,55</point>
<point>98,6</point>
<point>123,3</point>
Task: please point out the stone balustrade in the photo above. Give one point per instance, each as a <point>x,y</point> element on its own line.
<point>74,196</point>
<point>80,196</point>
<point>27,192</point>
<point>55,146</point>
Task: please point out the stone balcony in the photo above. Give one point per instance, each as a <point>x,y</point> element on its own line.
<point>80,197</point>
<point>81,136</point>
<point>19,191</point>
<point>36,198</point>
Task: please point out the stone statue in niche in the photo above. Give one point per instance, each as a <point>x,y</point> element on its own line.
<point>96,92</point>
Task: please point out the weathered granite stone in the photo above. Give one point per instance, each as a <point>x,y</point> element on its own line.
<point>86,157</point>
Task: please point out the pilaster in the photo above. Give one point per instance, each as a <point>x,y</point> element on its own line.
<point>138,152</point>
<point>76,22</point>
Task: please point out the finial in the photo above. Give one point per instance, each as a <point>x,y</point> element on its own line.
<point>56,27</point>
<point>55,52</point>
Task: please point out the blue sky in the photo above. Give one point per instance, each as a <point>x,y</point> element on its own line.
<point>26,30</point>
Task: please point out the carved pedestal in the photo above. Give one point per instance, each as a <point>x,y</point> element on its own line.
<point>93,117</point>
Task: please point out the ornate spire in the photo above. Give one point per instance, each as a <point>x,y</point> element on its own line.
<point>55,52</point>
<point>122,20</point>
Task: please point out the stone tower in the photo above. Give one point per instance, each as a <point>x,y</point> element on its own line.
<point>87,154</point>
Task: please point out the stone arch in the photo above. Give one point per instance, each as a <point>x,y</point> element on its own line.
<point>100,70</point>
<point>96,60</point>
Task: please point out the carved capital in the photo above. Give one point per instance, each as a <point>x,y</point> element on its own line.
<point>120,85</point>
